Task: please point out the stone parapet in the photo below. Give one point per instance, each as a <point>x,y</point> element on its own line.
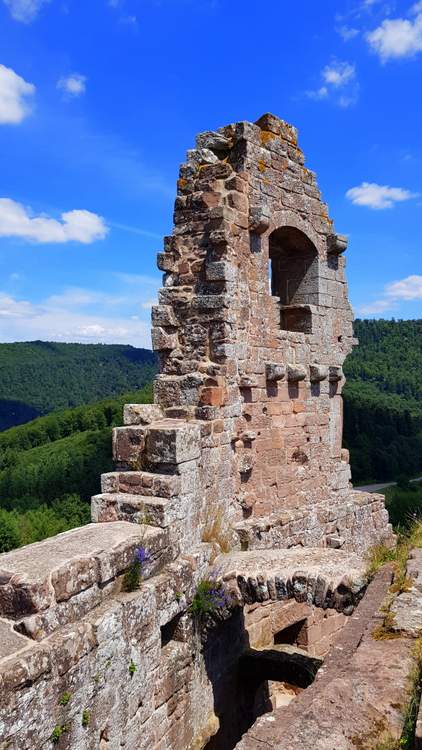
<point>47,585</point>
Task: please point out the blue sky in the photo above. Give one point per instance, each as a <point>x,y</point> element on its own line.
<point>99,101</point>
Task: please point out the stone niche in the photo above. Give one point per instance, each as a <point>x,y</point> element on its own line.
<point>240,458</point>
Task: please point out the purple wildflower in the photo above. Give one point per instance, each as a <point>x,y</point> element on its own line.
<point>142,555</point>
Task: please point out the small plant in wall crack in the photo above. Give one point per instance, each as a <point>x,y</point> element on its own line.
<point>133,576</point>
<point>132,667</point>
<point>57,732</point>
<point>86,718</point>
<point>65,698</point>
<point>210,600</point>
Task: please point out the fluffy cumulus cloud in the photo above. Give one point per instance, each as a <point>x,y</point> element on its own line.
<point>339,83</point>
<point>15,97</point>
<point>404,290</point>
<point>73,85</point>
<point>378,196</point>
<point>77,226</point>
<point>24,10</point>
<point>398,37</point>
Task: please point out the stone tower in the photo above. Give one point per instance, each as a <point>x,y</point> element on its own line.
<point>251,330</point>
<point>238,459</point>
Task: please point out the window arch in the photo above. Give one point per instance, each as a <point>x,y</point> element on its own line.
<point>293,262</point>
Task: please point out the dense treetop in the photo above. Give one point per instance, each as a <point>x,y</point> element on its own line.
<point>383,400</point>
<point>39,376</point>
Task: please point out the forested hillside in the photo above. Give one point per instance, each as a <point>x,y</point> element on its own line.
<point>50,467</point>
<point>39,376</point>
<point>383,400</point>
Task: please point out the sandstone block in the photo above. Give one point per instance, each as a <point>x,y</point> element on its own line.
<point>274,372</point>
<point>142,414</point>
<point>296,373</point>
<point>128,444</point>
<point>171,442</point>
<point>318,373</point>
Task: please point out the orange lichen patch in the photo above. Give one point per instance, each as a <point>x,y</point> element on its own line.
<point>267,136</point>
<point>262,165</point>
<point>181,183</point>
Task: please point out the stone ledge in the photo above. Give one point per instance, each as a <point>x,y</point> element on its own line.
<point>324,577</point>
<point>159,511</point>
<point>44,575</point>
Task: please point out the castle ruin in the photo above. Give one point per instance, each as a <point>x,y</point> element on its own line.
<point>237,472</point>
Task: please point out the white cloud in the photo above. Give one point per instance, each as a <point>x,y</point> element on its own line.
<point>85,315</point>
<point>73,85</point>
<point>398,37</point>
<point>404,290</point>
<point>378,196</point>
<point>409,288</point>
<point>78,225</point>
<point>24,10</point>
<point>339,83</point>
<point>14,95</point>
<point>21,320</point>
<point>379,306</point>
<point>338,73</point>
<point>348,32</point>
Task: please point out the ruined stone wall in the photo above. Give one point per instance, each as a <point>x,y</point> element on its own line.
<point>258,359</point>
<point>240,456</point>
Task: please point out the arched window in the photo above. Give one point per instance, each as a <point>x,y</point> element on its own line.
<point>294,277</point>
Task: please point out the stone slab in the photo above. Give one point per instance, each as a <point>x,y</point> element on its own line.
<point>38,576</point>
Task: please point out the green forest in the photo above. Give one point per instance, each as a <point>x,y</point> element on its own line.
<point>40,376</point>
<point>50,466</point>
<point>383,400</point>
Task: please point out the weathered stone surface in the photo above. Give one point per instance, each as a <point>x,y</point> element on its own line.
<point>172,442</point>
<point>128,444</point>
<point>141,414</point>
<point>274,372</point>
<point>41,575</point>
<point>326,578</point>
<point>10,641</point>
<point>318,373</point>
<point>296,372</point>
<point>357,697</point>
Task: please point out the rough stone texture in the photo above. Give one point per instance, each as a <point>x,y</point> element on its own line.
<point>265,623</point>
<point>326,578</point>
<point>250,376</point>
<point>242,453</point>
<point>52,583</point>
<point>357,696</point>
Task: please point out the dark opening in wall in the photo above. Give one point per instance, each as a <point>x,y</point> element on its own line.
<point>294,277</point>
<point>168,631</point>
<point>294,635</point>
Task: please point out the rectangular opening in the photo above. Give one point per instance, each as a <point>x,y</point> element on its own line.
<point>293,635</point>
<point>169,631</point>
<point>296,318</point>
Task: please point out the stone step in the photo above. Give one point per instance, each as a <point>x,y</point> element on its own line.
<point>166,442</point>
<point>141,483</point>
<point>156,511</point>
